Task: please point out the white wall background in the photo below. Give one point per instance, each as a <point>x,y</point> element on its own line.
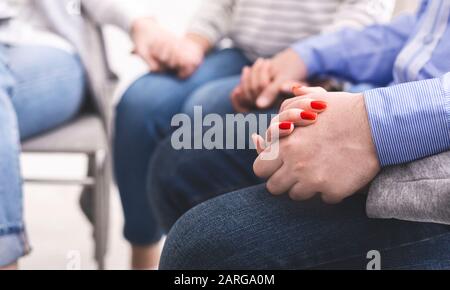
<point>56,226</point>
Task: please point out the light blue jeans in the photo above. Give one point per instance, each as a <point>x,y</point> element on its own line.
<point>40,88</point>
<point>143,119</point>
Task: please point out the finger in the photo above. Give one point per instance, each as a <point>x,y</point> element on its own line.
<point>265,76</point>
<point>279,130</point>
<point>265,168</point>
<point>256,86</point>
<point>331,199</point>
<point>306,104</point>
<point>281,181</point>
<point>299,117</point>
<point>268,96</point>
<point>165,54</point>
<point>303,91</point>
<point>259,143</point>
<point>246,84</point>
<point>187,71</point>
<point>236,100</point>
<point>152,63</point>
<point>288,86</point>
<point>175,61</point>
<point>300,192</point>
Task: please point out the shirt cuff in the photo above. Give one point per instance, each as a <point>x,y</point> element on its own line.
<point>410,121</point>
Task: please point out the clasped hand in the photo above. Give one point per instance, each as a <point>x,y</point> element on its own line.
<point>325,147</point>
<point>164,51</point>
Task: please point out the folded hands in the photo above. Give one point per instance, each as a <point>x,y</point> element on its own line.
<point>324,147</point>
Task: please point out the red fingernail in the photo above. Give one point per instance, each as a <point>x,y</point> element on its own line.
<point>285,126</point>
<point>319,105</point>
<point>309,116</point>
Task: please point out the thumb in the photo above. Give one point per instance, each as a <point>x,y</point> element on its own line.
<point>268,96</point>
<point>153,64</point>
<point>147,57</point>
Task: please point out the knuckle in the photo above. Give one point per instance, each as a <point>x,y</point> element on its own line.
<point>271,186</point>
<point>293,195</point>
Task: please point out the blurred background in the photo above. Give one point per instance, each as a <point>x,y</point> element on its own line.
<point>58,231</point>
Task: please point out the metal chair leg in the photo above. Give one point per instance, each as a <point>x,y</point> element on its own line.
<point>99,167</point>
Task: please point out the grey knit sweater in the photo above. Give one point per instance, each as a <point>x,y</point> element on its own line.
<point>262,28</point>
<point>419,191</point>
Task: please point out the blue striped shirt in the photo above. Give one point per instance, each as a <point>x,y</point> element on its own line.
<point>410,60</point>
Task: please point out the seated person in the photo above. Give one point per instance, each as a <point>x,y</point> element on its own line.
<point>46,65</point>
<point>181,66</point>
<point>405,120</point>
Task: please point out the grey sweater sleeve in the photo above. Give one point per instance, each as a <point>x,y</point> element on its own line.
<point>115,12</point>
<point>419,191</point>
<point>213,19</point>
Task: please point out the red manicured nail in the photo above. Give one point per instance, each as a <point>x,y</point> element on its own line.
<point>285,126</point>
<point>309,116</point>
<point>319,105</point>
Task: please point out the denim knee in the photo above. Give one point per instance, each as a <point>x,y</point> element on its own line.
<point>13,246</point>
<point>197,242</point>
<point>162,182</point>
<point>214,97</point>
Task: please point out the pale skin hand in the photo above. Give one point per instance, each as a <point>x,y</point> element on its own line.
<point>262,83</point>
<point>163,50</point>
<point>190,55</point>
<point>157,46</point>
<point>335,158</point>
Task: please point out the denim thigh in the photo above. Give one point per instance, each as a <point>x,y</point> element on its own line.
<point>251,229</point>
<point>40,88</point>
<point>143,120</point>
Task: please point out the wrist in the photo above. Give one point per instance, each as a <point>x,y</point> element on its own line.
<point>143,23</point>
<point>200,41</point>
<point>363,131</point>
<point>299,68</point>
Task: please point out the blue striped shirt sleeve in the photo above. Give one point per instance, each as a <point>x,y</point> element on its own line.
<point>410,121</point>
<point>360,56</point>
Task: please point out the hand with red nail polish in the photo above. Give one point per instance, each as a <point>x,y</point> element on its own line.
<point>306,114</point>
<point>334,158</point>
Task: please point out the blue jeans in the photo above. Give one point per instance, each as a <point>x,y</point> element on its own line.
<point>143,119</point>
<point>174,187</point>
<point>40,88</point>
<point>250,229</point>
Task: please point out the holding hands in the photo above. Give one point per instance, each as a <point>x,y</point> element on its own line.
<point>266,79</point>
<point>335,158</point>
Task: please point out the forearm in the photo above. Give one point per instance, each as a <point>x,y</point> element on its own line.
<point>410,121</point>
<point>115,12</point>
<point>358,56</point>
<point>212,20</point>
<point>202,42</point>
